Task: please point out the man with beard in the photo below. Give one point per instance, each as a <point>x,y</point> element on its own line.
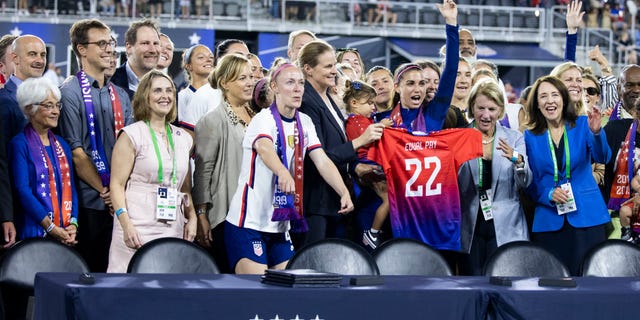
<point>623,138</point>
<point>90,124</point>
<point>28,55</point>
<point>467,46</point>
<point>142,43</point>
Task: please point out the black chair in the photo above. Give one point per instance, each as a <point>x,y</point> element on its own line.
<point>409,257</point>
<point>334,255</point>
<point>171,255</point>
<point>19,267</point>
<point>612,258</point>
<point>524,259</point>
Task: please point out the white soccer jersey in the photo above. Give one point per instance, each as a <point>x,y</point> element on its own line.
<point>204,100</point>
<point>252,204</point>
<point>184,102</point>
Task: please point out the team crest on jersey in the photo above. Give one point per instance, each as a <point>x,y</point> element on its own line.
<point>257,248</point>
<point>291,140</point>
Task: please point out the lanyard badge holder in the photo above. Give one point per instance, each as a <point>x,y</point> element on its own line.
<point>570,205</point>
<point>166,197</point>
<point>485,195</point>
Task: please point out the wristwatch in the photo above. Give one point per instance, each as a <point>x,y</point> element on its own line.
<point>201,211</point>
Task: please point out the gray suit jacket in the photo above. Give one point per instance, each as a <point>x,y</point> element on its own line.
<point>508,216</point>
<point>218,162</point>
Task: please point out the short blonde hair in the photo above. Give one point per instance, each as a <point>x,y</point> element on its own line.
<point>561,68</point>
<point>490,89</point>
<point>228,69</point>
<point>294,34</point>
<point>475,76</point>
<point>141,105</point>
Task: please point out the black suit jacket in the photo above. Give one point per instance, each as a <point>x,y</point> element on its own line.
<point>120,79</point>
<point>319,197</point>
<point>6,210</point>
<point>12,121</point>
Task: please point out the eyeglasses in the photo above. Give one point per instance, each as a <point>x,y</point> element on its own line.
<point>592,91</point>
<point>50,106</point>
<point>102,43</point>
<point>347,50</point>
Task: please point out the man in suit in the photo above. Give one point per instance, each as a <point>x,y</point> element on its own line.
<point>28,55</point>
<point>6,213</point>
<point>624,113</point>
<point>142,43</point>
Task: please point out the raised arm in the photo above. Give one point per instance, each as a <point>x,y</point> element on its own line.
<point>608,82</point>
<point>436,111</point>
<point>574,19</point>
<point>449,10</point>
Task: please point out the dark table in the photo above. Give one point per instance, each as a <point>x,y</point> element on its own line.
<point>170,296</point>
<point>593,298</point>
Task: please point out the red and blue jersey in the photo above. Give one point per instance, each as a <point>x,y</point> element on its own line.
<point>422,180</point>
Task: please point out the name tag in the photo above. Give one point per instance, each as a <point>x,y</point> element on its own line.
<point>570,205</point>
<point>166,203</point>
<point>485,204</point>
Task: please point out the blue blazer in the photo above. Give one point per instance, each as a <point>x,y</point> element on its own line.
<point>584,147</point>
<point>11,113</point>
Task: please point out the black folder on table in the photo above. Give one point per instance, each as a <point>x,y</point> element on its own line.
<point>307,278</point>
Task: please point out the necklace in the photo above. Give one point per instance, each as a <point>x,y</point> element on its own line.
<point>489,141</point>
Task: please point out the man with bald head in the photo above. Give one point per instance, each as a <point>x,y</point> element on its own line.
<point>468,46</point>
<point>621,138</point>
<point>628,92</point>
<point>28,55</point>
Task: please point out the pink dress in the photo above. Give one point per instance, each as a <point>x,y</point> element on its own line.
<point>140,191</point>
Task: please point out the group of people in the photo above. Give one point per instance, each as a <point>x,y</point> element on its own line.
<point>251,167</point>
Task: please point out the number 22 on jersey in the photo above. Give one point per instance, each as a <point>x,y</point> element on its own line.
<point>431,166</point>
